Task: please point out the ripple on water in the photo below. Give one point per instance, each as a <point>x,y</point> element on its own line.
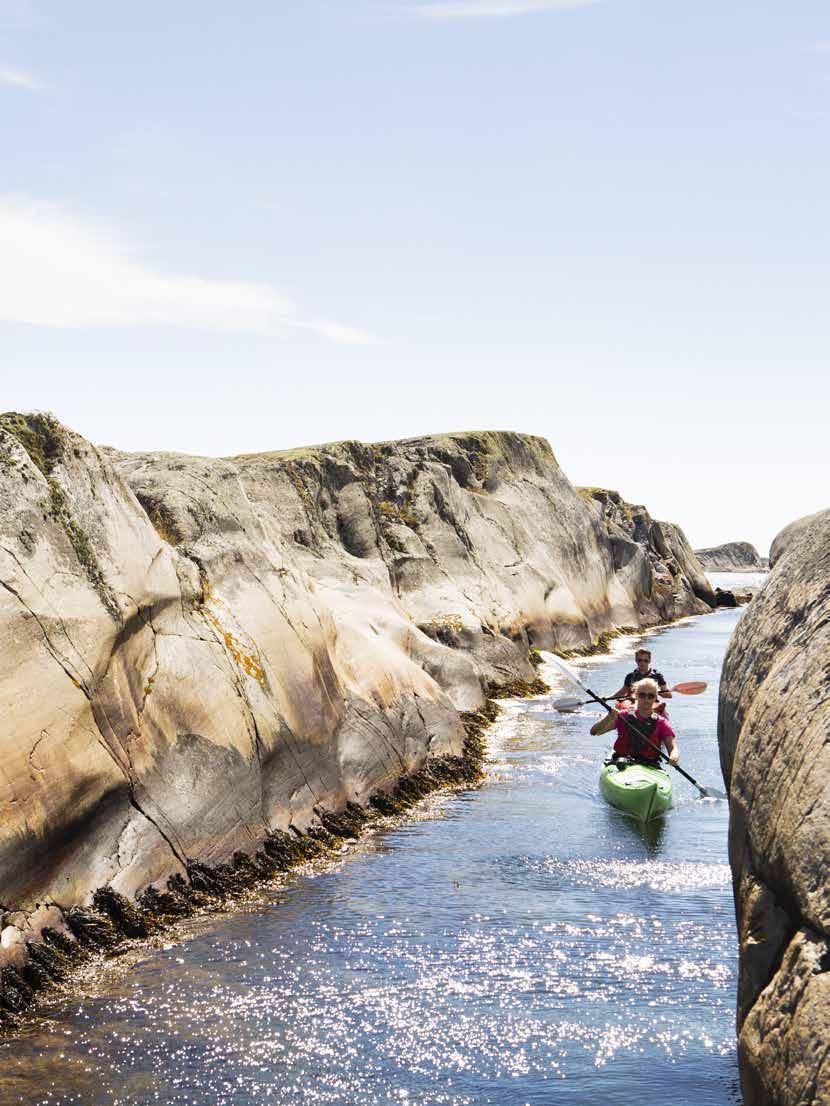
<point>358,1010</point>
<point>673,877</point>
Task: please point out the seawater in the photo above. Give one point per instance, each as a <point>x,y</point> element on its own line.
<point>521,943</point>
<point>737,581</point>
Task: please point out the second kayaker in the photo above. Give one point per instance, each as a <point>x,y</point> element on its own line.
<point>642,659</point>
<point>644,722</point>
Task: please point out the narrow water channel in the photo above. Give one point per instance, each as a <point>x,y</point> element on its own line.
<point>522,943</point>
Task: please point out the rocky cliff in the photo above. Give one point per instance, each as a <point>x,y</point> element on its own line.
<point>644,549</point>
<point>734,556</point>
<point>773,728</point>
<point>201,656</point>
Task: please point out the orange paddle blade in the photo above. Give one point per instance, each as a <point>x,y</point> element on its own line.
<point>691,687</point>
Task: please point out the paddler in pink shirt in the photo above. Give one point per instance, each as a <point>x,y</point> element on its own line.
<point>645,721</point>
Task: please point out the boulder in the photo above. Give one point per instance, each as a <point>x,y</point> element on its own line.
<point>725,598</point>
<point>773,726</point>
<point>12,948</point>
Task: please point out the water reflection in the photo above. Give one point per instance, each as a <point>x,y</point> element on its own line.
<point>649,833</point>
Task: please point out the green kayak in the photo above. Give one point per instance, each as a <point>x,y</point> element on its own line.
<point>638,789</point>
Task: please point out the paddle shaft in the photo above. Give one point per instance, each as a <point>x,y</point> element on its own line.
<point>656,748</point>
<point>690,687</point>
<point>695,687</point>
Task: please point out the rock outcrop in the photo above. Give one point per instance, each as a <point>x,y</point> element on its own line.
<point>200,655</point>
<point>734,556</point>
<point>737,597</point>
<point>644,549</point>
<point>789,534</point>
<point>773,727</point>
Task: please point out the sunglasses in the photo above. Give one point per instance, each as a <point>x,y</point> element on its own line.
<point>646,695</point>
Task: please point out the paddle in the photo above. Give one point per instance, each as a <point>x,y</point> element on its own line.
<point>691,687</point>
<point>706,792</point>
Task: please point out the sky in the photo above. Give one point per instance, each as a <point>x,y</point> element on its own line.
<point>232,228</point>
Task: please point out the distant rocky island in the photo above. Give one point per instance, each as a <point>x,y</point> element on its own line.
<point>213,668</point>
<point>734,556</point>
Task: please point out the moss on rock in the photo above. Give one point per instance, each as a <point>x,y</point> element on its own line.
<point>41,435</point>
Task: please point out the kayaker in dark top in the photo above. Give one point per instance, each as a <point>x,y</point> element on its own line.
<point>643,670</point>
<point>643,720</point>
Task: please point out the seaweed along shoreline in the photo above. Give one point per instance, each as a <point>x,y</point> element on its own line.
<point>113,926</point>
<point>494,943</point>
<point>113,923</point>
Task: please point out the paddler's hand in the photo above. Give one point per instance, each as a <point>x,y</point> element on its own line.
<point>606,724</point>
<point>674,756</point>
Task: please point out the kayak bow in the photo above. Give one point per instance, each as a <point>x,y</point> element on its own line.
<point>639,789</point>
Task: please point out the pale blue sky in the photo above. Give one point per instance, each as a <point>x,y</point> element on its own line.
<point>232,228</point>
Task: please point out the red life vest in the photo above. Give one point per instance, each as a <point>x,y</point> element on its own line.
<point>629,743</point>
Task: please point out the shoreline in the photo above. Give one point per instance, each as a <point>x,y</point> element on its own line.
<point>108,927</point>
<point>114,925</point>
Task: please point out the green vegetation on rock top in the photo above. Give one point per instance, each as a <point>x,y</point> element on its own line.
<point>491,440</point>
<point>41,435</point>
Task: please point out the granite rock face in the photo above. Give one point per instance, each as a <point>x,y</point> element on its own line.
<point>199,652</point>
<point>734,556</point>
<point>647,550</point>
<point>774,721</point>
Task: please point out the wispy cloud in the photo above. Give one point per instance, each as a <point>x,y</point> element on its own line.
<point>59,270</point>
<point>19,78</point>
<point>478,9</point>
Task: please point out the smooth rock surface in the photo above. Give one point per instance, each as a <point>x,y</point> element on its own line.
<point>198,652</point>
<point>774,721</point>
<point>783,540</point>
